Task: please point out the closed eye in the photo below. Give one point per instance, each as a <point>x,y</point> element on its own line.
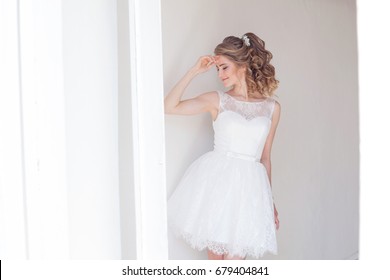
<point>223,68</point>
<point>223,65</point>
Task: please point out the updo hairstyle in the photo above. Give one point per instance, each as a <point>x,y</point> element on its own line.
<point>249,51</point>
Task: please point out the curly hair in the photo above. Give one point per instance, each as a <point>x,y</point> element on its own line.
<point>260,74</point>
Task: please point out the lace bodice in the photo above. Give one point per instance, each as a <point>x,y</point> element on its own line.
<point>249,110</point>
<point>242,127</point>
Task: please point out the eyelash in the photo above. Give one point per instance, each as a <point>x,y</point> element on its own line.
<point>224,68</point>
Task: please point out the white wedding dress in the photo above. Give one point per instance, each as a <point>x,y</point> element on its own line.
<point>224,201</point>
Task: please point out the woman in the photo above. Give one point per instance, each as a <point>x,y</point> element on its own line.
<point>224,200</point>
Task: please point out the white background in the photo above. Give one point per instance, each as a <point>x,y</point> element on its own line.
<point>374,151</point>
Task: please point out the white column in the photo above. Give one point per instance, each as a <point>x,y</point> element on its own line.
<point>91,101</point>
<point>12,211</point>
<point>125,141</point>
<point>148,128</point>
<point>43,128</point>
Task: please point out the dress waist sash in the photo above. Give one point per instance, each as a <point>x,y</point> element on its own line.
<point>237,155</point>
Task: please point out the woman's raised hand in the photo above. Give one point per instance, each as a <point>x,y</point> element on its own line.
<point>204,64</point>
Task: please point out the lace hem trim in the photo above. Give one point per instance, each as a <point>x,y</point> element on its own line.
<point>222,248</point>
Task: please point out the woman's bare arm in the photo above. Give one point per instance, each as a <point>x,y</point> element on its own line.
<point>202,103</point>
<point>266,155</point>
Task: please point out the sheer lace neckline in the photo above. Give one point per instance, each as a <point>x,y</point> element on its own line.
<point>235,99</point>
<point>247,109</point>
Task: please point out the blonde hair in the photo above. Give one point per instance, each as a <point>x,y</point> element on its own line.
<point>260,74</point>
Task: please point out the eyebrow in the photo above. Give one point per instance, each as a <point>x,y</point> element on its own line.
<point>221,65</point>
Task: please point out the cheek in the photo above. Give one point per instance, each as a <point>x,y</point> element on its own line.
<point>235,74</point>
<point>241,73</point>
<point>231,72</point>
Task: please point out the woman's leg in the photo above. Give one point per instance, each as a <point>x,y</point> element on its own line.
<point>229,257</point>
<point>213,256</point>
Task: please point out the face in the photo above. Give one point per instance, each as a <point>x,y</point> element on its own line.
<point>228,72</point>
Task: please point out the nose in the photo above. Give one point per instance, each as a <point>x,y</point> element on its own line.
<point>220,74</point>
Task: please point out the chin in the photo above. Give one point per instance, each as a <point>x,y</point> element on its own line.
<point>227,88</point>
<point>227,85</point>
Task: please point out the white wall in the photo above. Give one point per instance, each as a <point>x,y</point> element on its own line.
<point>374,58</point>
<point>126,164</point>
<point>91,102</point>
<point>43,129</point>
<point>33,205</point>
<point>141,131</point>
<point>13,239</point>
<point>315,159</point>
<point>67,180</point>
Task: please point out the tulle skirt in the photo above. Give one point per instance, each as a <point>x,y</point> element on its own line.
<point>224,203</point>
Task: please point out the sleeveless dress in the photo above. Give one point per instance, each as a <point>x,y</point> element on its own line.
<point>223,201</point>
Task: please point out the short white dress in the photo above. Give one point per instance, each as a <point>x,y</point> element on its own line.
<point>223,201</point>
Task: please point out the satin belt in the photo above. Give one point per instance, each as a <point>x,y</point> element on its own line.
<point>237,155</point>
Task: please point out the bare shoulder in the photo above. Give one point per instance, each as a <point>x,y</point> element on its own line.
<point>277,106</point>
<point>276,112</point>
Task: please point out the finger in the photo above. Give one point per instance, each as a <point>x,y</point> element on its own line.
<point>210,63</point>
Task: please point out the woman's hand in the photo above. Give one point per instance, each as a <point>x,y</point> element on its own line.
<point>276,218</point>
<point>204,64</point>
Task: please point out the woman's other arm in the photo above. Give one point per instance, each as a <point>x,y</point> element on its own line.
<point>266,155</point>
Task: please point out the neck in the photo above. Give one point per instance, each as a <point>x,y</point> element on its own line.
<point>241,89</point>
